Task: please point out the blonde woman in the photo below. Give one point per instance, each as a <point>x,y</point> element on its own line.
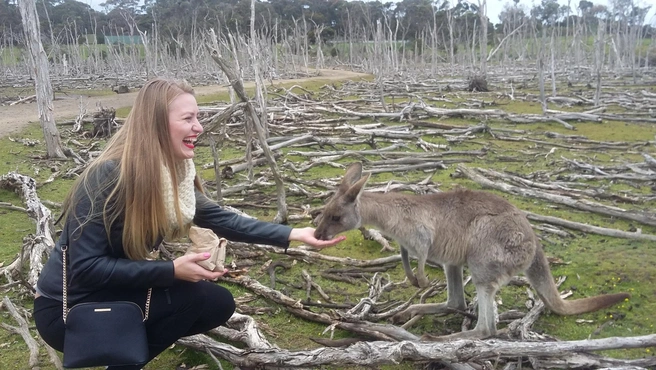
<point>142,188</point>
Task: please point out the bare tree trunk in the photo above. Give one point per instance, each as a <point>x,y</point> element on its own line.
<point>473,47</point>
<point>449,17</point>
<point>39,63</point>
<point>306,46</point>
<point>599,58</point>
<point>216,150</point>
<point>318,30</point>
<point>543,99</point>
<point>251,115</point>
<point>482,15</point>
<point>52,33</point>
<point>553,63</point>
<point>350,37</point>
<point>260,89</point>
<point>503,42</point>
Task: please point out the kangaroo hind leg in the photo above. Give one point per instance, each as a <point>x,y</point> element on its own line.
<point>486,325</point>
<point>489,274</point>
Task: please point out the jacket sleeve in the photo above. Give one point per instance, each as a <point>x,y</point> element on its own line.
<point>238,228</point>
<point>96,259</point>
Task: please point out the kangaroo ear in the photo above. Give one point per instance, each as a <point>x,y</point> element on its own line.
<point>354,192</point>
<point>353,174</point>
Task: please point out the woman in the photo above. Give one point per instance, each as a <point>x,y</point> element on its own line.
<point>142,188</point>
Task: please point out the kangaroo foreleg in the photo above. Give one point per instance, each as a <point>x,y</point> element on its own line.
<point>422,280</point>
<point>455,288</point>
<point>405,259</point>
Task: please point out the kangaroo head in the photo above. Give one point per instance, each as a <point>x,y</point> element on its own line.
<point>341,213</point>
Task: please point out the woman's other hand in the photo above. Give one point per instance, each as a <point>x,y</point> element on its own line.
<point>186,268</point>
<point>306,235</point>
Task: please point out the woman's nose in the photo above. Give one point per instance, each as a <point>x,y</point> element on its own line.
<point>197,126</point>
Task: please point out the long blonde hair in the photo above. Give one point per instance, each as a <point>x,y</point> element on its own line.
<point>140,148</point>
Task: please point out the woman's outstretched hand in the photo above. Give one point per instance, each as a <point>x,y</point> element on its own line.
<point>306,235</point>
<point>186,268</point>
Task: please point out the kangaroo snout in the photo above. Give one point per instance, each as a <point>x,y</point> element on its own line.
<point>321,234</point>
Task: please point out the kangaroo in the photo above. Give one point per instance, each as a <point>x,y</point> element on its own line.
<point>477,228</point>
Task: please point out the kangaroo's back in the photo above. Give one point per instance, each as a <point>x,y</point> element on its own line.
<point>470,226</point>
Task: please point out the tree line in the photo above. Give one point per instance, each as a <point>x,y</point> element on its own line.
<point>71,21</point>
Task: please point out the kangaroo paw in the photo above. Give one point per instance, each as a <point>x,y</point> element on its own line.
<point>413,281</point>
<point>423,282</point>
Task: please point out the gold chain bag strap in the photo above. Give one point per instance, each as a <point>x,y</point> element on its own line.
<point>103,333</point>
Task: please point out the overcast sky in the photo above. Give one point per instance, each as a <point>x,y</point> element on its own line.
<point>494,7</point>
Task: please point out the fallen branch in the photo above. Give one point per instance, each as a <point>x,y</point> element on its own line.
<point>368,329</point>
<point>42,241</point>
<point>377,236</point>
<point>392,353</point>
<point>23,330</point>
<point>585,205</point>
<point>638,235</point>
<point>24,100</point>
<point>316,255</point>
<point>243,328</point>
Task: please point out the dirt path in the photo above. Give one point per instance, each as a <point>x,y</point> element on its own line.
<point>15,117</point>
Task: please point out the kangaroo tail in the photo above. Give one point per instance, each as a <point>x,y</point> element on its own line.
<point>539,274</point>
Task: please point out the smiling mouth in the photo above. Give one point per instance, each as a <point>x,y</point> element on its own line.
<point>189,143</point>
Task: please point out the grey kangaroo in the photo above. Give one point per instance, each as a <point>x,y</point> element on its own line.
<point>454,228</point>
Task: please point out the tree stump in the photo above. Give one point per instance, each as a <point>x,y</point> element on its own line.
<point>121,89</point>
<point>103,122</point>
<point>478,84</point>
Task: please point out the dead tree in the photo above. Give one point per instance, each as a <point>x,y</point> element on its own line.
<point>252,116</point>
<point>599,59</point>
<point>482,15</point>
<point>39,63</point>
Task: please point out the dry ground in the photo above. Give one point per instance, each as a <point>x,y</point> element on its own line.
<point>15,117</point>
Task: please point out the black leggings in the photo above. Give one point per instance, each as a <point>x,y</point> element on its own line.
<point>183,309</point>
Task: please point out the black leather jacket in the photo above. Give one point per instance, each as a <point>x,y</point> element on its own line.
<point>96,260</point>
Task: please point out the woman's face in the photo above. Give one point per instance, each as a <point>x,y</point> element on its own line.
<point>184,127</point>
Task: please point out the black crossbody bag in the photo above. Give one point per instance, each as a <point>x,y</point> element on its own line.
<point>104,333</point>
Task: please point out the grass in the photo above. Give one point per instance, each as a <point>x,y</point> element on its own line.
<point>593,264</point>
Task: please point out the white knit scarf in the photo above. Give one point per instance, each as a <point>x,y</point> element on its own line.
<point>186,196</point>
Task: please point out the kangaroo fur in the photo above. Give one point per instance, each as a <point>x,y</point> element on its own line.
<point>479,229</point>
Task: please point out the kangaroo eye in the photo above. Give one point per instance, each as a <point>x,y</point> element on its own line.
<point>335,218</point>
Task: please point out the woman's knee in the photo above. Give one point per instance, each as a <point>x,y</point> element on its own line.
<point>219,302</point>
<point>49,322</point>
<point>210,296</point>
